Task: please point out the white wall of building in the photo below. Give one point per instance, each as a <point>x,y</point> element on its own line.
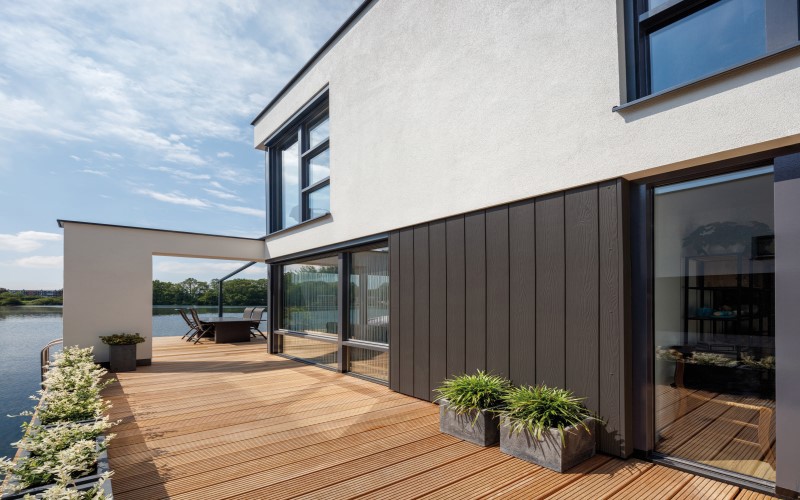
<point>108,275</point>
<point>439,108</point>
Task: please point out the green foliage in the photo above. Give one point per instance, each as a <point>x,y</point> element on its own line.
<point>712,359</point>
<point>765,363</point>
<point>537,409</point>
<point>46,301</point>
<point>237,292</point>
<point>122,339</point>
<point>471,393</point>
<point>10,301</point>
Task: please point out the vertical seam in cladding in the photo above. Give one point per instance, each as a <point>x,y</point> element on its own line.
<point>564,288</point>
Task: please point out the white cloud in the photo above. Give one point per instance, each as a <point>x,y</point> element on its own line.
<point>108,156</point>
<point>76,158</point>
<point>41,262</point>
<point>243,210</point>
<point>224,154</point>
<point>175,197</point>
<point>27,241</point>
<point>181,173</point>
<point>221,194</point>
<point>94,172</point>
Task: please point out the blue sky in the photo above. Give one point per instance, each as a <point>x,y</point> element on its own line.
<point>138,113</point>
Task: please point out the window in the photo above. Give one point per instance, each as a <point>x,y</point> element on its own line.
<point>334,311</point>
<point>299,170</point>
<point>676,42</point>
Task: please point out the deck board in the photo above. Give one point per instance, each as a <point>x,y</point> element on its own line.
<point>213,421</point>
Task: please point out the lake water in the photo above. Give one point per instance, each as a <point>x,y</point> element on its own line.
<point>25,330</point>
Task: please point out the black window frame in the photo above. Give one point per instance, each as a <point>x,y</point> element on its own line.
<point>298,129</point>
<point>641,22</point>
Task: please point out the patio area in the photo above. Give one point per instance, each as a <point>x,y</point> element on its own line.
<point>213,421</point>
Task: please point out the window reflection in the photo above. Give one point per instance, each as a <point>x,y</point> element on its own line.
<point>369,296</point>
<point>310,296</point>
<point>290,192</point>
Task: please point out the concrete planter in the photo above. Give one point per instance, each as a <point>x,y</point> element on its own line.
<point>122,358</point>
<point>549,452</point>
<point>84,483</point>
<point>485,431</point>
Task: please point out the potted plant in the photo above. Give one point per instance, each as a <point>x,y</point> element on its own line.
<point>547,426</point>
<point>468,405</point>
<point>122,350</point>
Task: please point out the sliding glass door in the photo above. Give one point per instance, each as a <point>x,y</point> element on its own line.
<point>335,311</point>
<point>714,322</point>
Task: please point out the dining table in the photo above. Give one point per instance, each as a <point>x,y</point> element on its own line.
<point>227,330</point>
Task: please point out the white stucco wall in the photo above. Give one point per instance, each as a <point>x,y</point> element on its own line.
<point>108,277</point>
<point>442,107</point>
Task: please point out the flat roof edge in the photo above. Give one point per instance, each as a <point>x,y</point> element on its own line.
<point>61,223</point>
<point>344,27</point>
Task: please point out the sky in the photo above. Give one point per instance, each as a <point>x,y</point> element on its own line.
<point>138,113</point>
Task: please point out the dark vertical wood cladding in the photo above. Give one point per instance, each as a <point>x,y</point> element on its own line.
<point>535,291</point>
<point>437,237</point>
<point>497,292</point>
<point>421,313</point>
<point>581,245</point>
<point>522,292</point>
<point>456,296</point>
<point>394,311</point>
<point>406,322</point>
<point>550,284</point>
<point>475,259</point>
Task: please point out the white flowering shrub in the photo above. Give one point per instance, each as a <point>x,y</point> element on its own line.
<point>60,449</point>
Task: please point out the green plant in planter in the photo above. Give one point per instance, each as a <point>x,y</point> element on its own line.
<point>765,363</point>
<point>712,359</point>
<point>122,339</point>
<point>537,409</point>
<point>466,394</point>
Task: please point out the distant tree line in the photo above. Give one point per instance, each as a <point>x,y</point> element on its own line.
<point>236,292</point>
<point>8,298</point>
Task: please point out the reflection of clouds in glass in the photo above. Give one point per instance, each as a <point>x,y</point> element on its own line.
<point>290,166</point>
<point>319,167</point>
<point>318,133</point>
<point>319,202</point>
<point>714,38</point>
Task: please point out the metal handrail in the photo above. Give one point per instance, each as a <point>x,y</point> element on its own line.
<point>45,355</point>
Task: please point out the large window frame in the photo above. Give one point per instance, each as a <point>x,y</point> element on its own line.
<point>782,30</point>
<point>298,130</point>
<point>342,339</point>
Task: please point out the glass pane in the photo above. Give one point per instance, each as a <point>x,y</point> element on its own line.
<point>652,4</point>
<point>369,363</point>
<point>315,351</point>
<point>319,202</point>
<point>714,294</point>
<point>318,132</point>
<point>319,167</point>
<point>720,36</point>
<point>290,185</point>
<point>310,296</point>
<point>369,296</point>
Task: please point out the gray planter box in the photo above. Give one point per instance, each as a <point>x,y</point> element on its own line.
<point>122,358</point>
<point>485,432</point>
<point>84,483</point>
<point>549,452</point>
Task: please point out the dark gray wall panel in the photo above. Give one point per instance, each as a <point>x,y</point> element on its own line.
<point>456,296</point>
<point>437,237</point>
<point>535,291</point>
<point>550,328</point>
<point>407,311</point>
<point>614,370</point>
<point>421,313</point>
<point>582,287</point>
<point>475,258</point>
<point>522,292</point>
<point>497,291</point>
<point>394,311</point>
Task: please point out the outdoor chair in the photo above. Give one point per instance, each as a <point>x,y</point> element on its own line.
<point>248,312</point>
<point>190,323</point>
<point>202,327</point>
<point>256,315</point>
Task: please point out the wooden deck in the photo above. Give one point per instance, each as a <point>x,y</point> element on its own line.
<point>214,421</point>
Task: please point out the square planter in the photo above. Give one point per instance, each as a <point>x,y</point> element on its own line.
<point>84,483</point>
<point>485,431</point>
<point>122,358</point>
<point>549,452</point>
